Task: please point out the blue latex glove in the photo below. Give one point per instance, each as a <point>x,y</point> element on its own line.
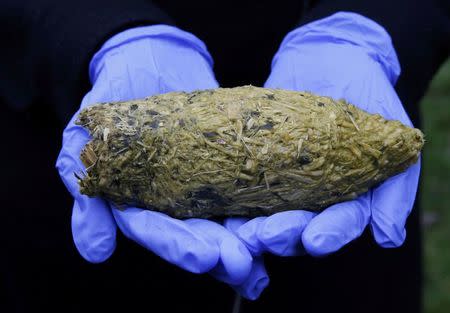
<point>342,56</point>
<point>133,64</point>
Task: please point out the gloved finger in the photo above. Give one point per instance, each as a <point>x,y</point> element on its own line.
<point>281,233</point>
<point>233,223</point>
<point>171,239</point>
<point>93,229</point>
<point>247,232</point>
<point>93,226</point>
<point>258,279</point>
<point>235,261</point>
<point>256,282</point>
<point>339,224</point>
<point>391,205</point>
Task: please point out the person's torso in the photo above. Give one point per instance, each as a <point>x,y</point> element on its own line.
<point>242,36</point>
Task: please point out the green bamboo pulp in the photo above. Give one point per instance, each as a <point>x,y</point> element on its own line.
<point>243,151</point>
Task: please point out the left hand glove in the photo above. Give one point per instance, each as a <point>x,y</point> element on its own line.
<point>132,64</point>
<point>343,56</point>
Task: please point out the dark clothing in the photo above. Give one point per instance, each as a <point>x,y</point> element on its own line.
<point>48,44</point>
<point>43,75</point>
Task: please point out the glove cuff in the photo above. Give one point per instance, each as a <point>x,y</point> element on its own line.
<point>165,32</point>
<point>350,29</point>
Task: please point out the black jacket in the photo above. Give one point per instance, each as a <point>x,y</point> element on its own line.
<point>48,44</point>
<point>45,50</point>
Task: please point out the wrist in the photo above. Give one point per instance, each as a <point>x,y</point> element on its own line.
<point>351,30</point>
<point>123,40</point>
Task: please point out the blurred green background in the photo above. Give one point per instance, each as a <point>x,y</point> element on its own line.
<point>435,201</point>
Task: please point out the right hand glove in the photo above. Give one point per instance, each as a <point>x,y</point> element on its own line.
<point>347,56</point>
<point>133,64</point>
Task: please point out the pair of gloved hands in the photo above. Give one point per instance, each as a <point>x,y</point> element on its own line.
<point>343,56</point>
